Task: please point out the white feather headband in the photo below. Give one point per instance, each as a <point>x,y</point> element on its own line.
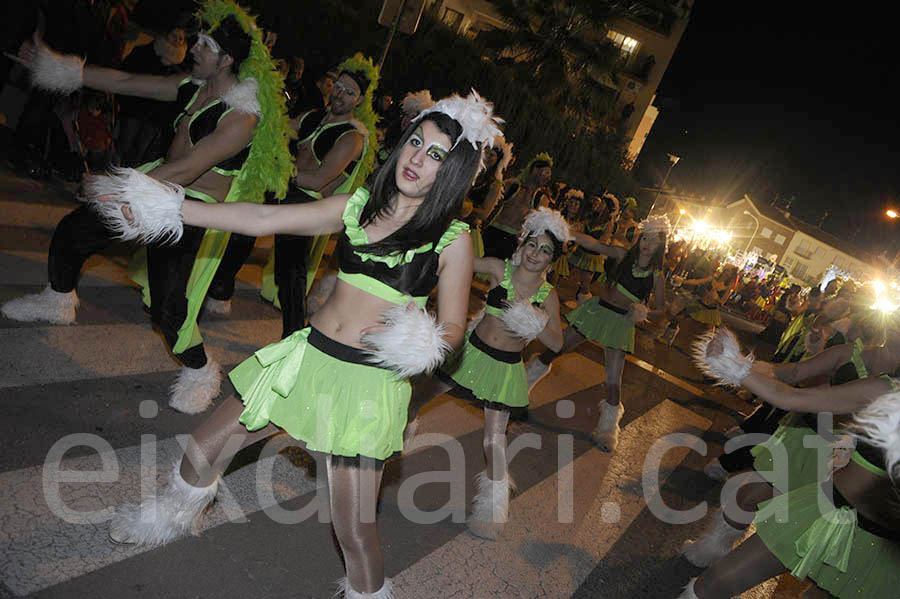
<point>544,219</point>
<point>474,114</point>
<point>416,102</point>
<point>656,224</point>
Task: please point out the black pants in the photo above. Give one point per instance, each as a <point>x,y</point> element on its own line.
<point>237,252</point>
<point>763,420</point>
<point>291,259</point>
<point>81,234</point>
<point>499,244</point>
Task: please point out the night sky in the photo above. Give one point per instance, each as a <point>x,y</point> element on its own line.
<point>786,100</point>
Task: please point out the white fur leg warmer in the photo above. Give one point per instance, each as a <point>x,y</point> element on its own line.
<point>61,73</point>
<point>728,367</point>
<point>194,389</point>
<point>689,592</point>
<point>524,320</point>
<point>606,434</point>
<point>346,591</point>
<point>411,341</point>
<point>47,306</point>
<point>879,424</point>
<point>490,506</point>
<point>155,205</point>
<point>717,540</point>
<point>638,312</point>
<point>172,514</point>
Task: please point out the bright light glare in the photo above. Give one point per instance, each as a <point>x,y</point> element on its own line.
<point>892,213</point>
<point>879,287</point>
<point>700,226</point>
<point>682,211</point>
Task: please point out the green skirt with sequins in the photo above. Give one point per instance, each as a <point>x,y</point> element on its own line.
<point>324,393</point>
<point>827,545</point>
<point>606,327</point>
<point>798,465</point>
<point>490,375</point>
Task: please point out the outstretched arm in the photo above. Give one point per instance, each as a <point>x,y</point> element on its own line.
<point>823,363</point>
<point>256,220</point>
<point>493,267</point>
<point>51,69</point>
<point>588,242</point>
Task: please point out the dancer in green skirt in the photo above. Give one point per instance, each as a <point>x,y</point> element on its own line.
<point>609,318</point>
<point>340,386</point>
<point>521,306</point>
<point>840,533</point>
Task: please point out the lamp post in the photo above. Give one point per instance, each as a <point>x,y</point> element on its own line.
<point>674,160</point>
<point>681,212</point>
<point>749,241</point>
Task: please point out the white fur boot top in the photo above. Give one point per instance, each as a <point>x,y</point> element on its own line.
<point>606,434</point>
<point>717,540</point>
<point>47,306</point>
<point>158,520</point>
<point>215,306</point>
<point>490,507</point>
<point>346,591</point>
<point>535,370</point>
<point>195,388</point>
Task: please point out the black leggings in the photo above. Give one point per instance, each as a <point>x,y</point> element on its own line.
<point>291,258</point>
<point>81,234</point>
<point>763,420</point>
<point>237,252</point>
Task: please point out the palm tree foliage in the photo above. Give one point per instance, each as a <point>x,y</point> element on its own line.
<point>561,46</point>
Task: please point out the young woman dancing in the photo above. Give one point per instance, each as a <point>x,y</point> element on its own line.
<point>609,318</point>
<point>340,386</point>
<point>840,534</point>
<point>521,306</point>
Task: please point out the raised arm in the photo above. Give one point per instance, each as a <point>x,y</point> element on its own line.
<point>552,336</point>
<point>255,220</point>
<point>823,363</point>
<point>454,283</point>
<point>492,267</point>
<point>589,243</point>
<point>490,200</point>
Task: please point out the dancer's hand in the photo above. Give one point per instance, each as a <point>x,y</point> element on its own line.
<point>126,209</point>
<point>716,345</point>
<point>638,312</point>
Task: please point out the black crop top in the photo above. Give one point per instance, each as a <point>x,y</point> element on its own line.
<point>323,136</point>
<point>636,282</point>
<point>204,122</point>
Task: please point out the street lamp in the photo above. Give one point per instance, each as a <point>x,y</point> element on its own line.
<point>674,160</point>
<point>891,213</point>
<point>681,212</point>
<point>749,241</point>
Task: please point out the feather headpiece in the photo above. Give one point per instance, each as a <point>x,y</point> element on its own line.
<point>544,219</point>
<point>474,114</point>
<point>416,102</point>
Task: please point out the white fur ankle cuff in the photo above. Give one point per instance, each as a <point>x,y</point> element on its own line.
<point>729,367</point>
<point>155,205</point>
<point>61,73</point>
<point>524,320</point>
<point>346,591</point>
<point>410,342</point>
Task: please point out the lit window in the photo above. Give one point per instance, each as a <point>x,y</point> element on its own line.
<point>452,19</point>
<point>800,270</point>
<point>766,232</point>
<point>627,45</point>
<point>779,239</point>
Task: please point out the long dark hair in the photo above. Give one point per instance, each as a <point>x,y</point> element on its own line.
<point>443,201</point>
<point>617,270</point>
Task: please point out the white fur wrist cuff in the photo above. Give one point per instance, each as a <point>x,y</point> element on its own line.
<point>524,320</point>
<point>730,367</point>
<point>410,343</point>
<point>62,73</point>
<point>638,312</point>
<point>155,205</point>
<point>879,424</point>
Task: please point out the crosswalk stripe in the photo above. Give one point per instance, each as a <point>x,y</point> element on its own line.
<point>557,564</point>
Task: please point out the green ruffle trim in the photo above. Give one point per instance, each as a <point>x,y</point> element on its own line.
<point>270,164</point>
<point>357,235</point>
<point>539,296</point>
<point>856,358</point>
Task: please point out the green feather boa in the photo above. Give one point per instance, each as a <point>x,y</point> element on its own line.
<point>542,156</point>
<point>364,113</point>
<point>270,164</point>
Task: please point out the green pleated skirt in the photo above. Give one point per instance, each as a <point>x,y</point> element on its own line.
<point>586,261</point>
<point>603,325</point>
<point>703,314</point>
<point>324,393</point>
<point>797,465</point>
<point>490,375</point>
<point>829,547</point>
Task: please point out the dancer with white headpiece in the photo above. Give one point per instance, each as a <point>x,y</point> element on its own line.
<point>609,318</point>
<point>340,386</point>
<point>521,306</point>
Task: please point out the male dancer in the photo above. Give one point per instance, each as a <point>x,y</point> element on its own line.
<point>519,196</point>
<point>230,143</point>
<point>334,154</point>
